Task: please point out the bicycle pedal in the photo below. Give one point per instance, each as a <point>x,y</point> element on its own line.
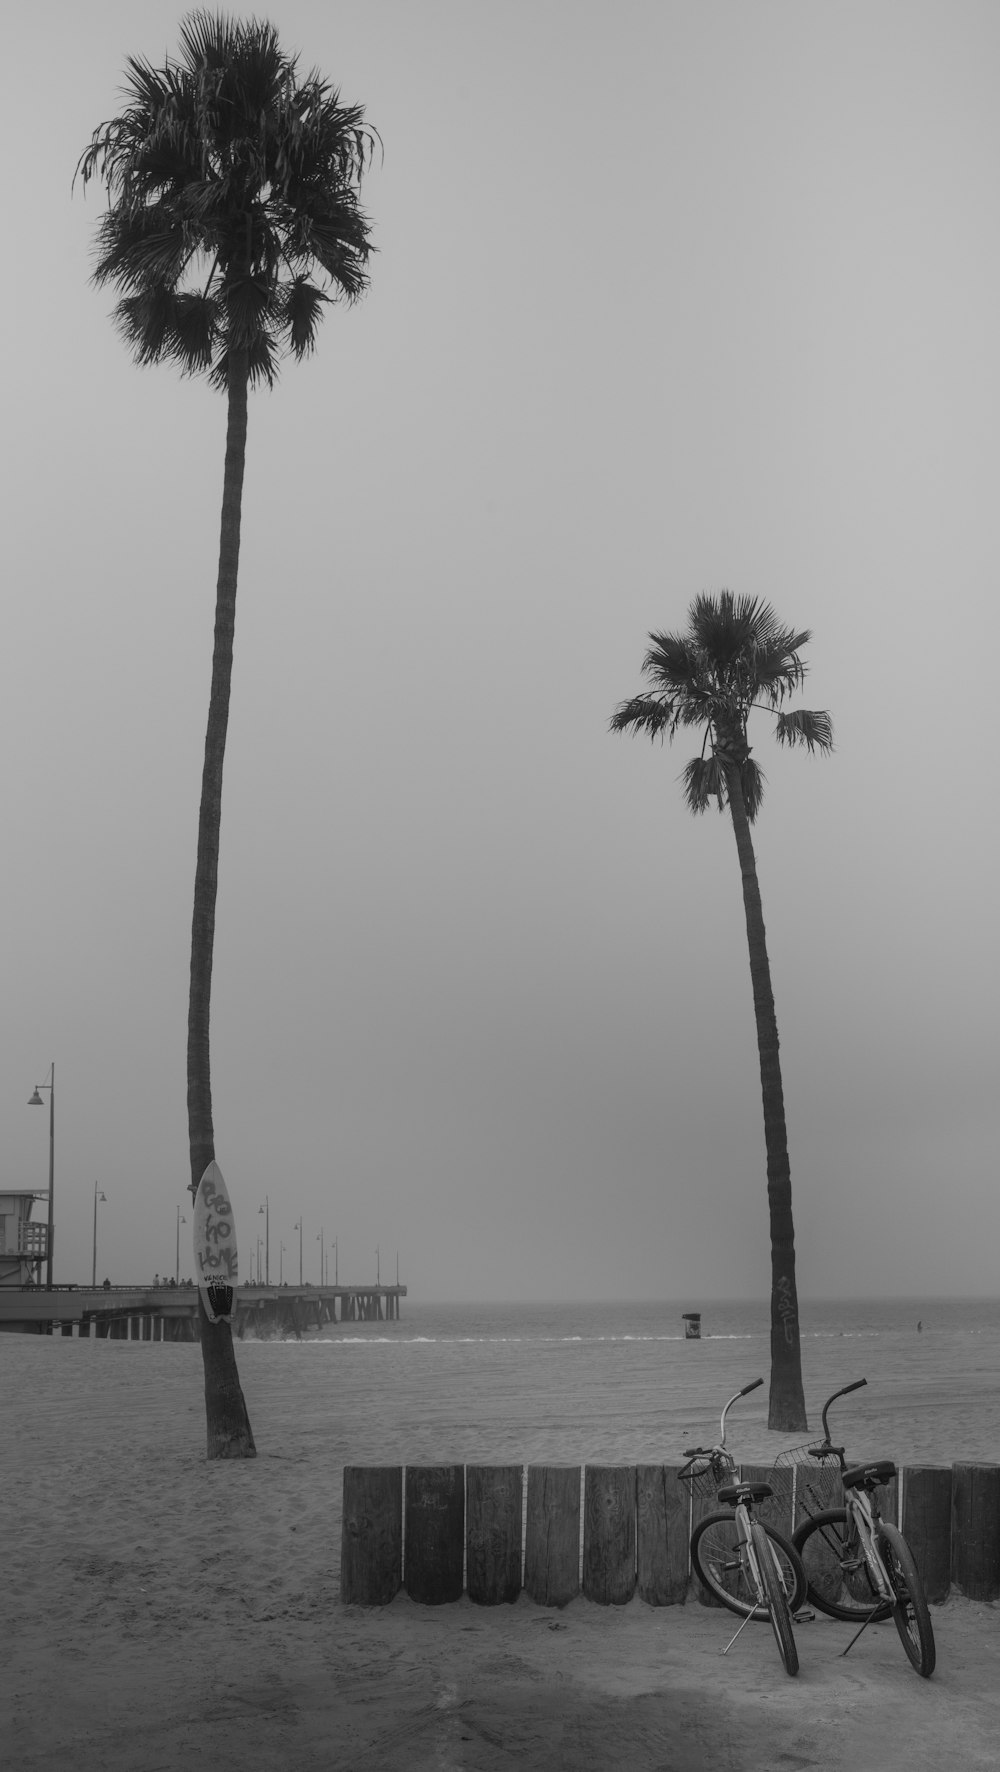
<point>804,1617</point>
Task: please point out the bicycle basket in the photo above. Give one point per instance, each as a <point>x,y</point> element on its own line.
<point>704,1476</point>
<point>802,1455</point>
<point>783,1477</point>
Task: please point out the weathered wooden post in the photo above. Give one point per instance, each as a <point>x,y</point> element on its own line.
<point>662,1553</point>
<point>926,1525</point>
<point>609,1533</point>
<point>552,1534</point>
<point>975,1530</point>
<point>702,1501</point>
<point>435,1533</point>
<point>371,1535</point>
<point>493,1533</point>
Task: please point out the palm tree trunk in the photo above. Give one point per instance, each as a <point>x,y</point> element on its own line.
<point>229,1431</point>
<point>786,1406</point>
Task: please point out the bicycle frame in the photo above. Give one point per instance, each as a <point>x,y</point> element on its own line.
<point>864,1512</point>
<point>741,1515</point>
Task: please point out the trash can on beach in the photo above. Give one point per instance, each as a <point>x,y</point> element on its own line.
<point>692,1325</point>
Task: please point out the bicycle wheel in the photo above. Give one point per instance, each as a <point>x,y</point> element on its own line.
<point>840,1581</point>
<point>777,1600</point>
<point>910,1614</point>
<point>719,1561</point>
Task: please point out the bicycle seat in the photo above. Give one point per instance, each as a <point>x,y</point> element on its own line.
<point>734,1492</point>
<point>826,1451</point>
<point>869,1475</point>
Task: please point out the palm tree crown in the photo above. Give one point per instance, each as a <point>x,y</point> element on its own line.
<point>734,657</point>
<point>233,212</point>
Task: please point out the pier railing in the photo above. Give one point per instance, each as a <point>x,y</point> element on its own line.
<point>611,1532</point>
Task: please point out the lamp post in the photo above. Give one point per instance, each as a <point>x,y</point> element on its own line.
<point>322,1259</point>
<point>98,1195</point>
<point>335,1279</point>
<point>36,1101</point>
<point>378,1279</point>
<point>258,1261</point>
<point>266,1209</point>
<point>298,1227</point>
<point>177,1269</point>
<point>281,1265</point>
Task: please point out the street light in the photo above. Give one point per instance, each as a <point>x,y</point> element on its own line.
<point>36,1101</point>
<point>258,1261</point>
<point>335,1280</point>
<point>266,1210</point>
<point>298,1227</point>
<point>177,1270</point>
<point>378,1280</point>
<point>322,1259</point>
<point>97,1196</point>
<point>281,1265</point>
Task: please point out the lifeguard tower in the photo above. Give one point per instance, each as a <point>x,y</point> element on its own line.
<point>23,1243</point>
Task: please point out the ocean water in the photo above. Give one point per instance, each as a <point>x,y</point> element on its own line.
<point>619,1383</point>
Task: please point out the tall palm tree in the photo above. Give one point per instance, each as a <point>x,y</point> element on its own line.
<point>735,656</point>
<point>233,218</point>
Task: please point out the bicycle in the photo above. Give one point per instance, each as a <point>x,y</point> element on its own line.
<point>747,1565</point>
<point>859,1566</point>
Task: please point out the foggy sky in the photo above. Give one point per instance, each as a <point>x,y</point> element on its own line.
<point>666,298</point>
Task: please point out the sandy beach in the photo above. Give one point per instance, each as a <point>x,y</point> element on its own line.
<point>159,1609</point>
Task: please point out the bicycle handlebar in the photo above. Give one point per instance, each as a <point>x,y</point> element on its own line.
<point>858,1384</point>
<point>710,1451</point>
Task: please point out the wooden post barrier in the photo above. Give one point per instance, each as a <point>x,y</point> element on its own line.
<point>493,1533</point>
<point>637,1523</point>
<point>371,1535</point>
<point>609,1533</point>
<point>975,1530</point>
<point>926,1525</point>
<point>552,1534</point>
<point>434,1533</point>
<point>662,1535</point>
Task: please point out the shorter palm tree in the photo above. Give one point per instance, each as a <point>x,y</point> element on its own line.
<point>735,657</point>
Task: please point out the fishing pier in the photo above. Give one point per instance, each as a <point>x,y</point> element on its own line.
<point>170,1313</point>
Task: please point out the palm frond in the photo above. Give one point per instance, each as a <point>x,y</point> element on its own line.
<point>804,726</point>
<point>138,248</point>
<point>644,713</point>
<point>704,780</point>
<point>303,311</point>
<point>752,779</point>
<point>196,327</point>
<point>145,321</point>
<point>673,663</point>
